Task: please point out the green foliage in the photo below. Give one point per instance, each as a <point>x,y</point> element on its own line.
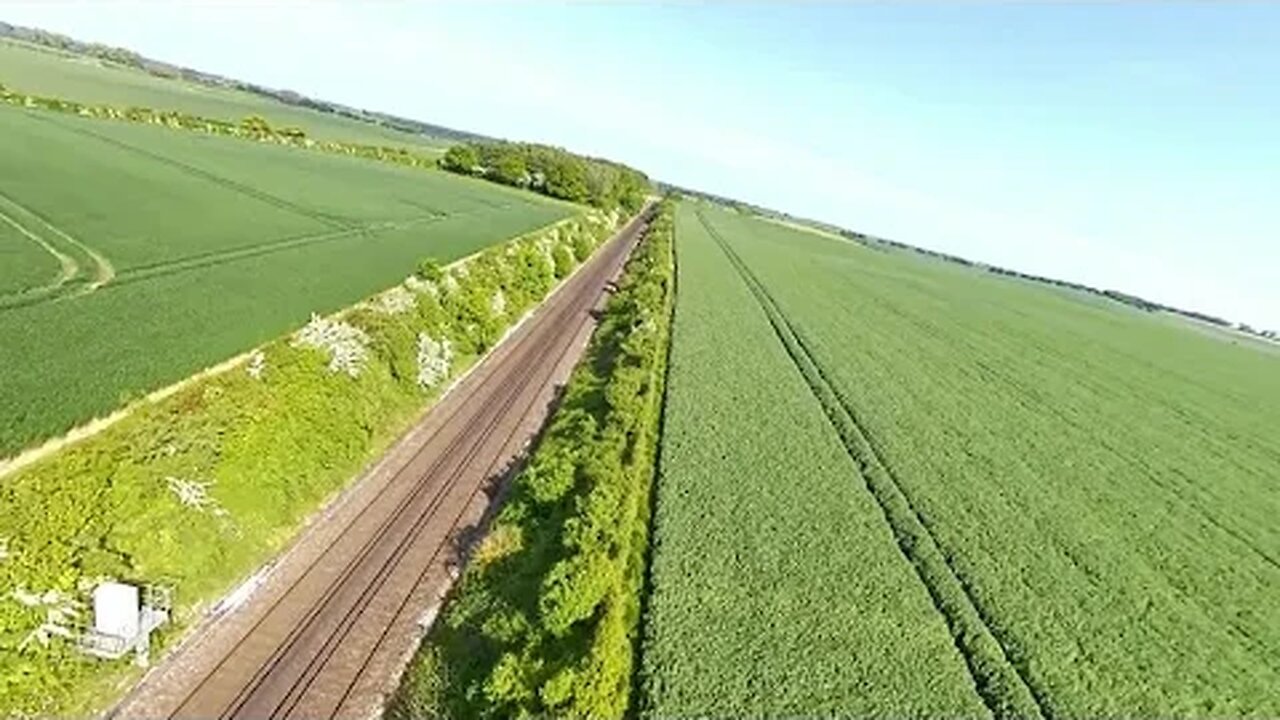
<point>553,171</point>
<point>1081,493</point>
<point>563,258</point>
<point>461,158</point>
<point>545,619</point>
<point>239,242</point>
<point>268,449</point>
<point>511,170</point>
<point>429,269</point>
<point>255,126</point>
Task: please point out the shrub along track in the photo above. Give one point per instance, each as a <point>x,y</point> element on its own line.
<point>336,620</point>
<point>999,673</point>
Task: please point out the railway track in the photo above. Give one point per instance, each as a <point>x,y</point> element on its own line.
<point>331,628</point>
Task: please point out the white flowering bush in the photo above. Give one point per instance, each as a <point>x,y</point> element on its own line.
<point>194,494</point>
<point>4,549</point>
<point>545,246</point>
<point>422,287</point>
<point>257,365</point>
<point>435,357</point>
<point>498,304</point>
<point>396,301</point>
<point>346,345</point>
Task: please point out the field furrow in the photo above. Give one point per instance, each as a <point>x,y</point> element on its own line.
<point>1100,481</point>
<point>996,673</point>
<point>85,130</point>
<point>32,264</point>
<point>777,587</point>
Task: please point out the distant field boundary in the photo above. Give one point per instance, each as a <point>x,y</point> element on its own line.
<point>255,129</point>
<point>250,128</point>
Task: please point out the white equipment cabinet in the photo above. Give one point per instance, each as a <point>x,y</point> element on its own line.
<point>123,618</point>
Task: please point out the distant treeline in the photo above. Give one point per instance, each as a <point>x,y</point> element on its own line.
<point>1121,297</point>
<point>122,56</point>
<point>880,243</point>
<point>743,207</point>
<point>552,171</point>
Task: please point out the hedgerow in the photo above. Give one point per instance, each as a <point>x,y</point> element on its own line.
<point>196,490</point>
<point>252,127</point>
<point>545,618</point>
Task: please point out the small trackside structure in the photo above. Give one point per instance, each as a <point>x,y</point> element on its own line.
<point>123,618</point>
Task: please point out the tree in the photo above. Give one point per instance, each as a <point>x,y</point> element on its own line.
<point>552,171</point>
<point>461,158</point>
<point>567,180</point>
<point>510,169</point>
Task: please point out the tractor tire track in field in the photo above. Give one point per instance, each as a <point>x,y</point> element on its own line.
<point>104,271</point>
<point>212,259</point>
<point>999,673</point>
<point>270,247</point>
<point>219,257</point>
<point>331,220</point>
<point>68,268</point>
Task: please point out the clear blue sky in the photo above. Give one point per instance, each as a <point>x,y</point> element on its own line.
<point>1127,145</point>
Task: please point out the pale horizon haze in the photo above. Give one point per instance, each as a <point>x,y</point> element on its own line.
<point>1130,146</point>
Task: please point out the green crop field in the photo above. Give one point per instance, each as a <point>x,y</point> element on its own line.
<point>777,588</point>
<point>135,255</point>
<point>45,71</point>
<point>26,264</point>
<point>895,485</point>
